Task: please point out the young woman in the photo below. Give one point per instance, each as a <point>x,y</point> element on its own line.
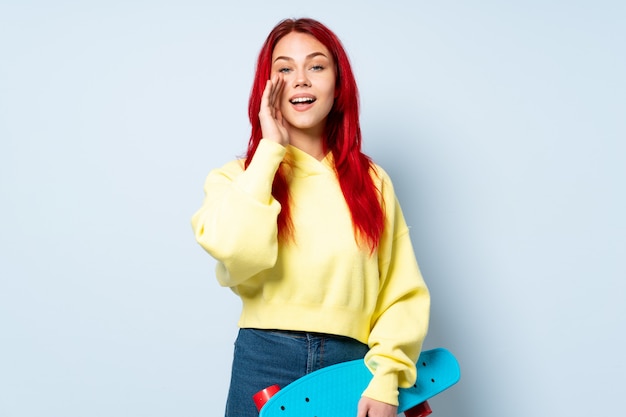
<point>308,232</point>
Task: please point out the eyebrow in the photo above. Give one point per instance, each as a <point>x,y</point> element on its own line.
<point>309,56</point>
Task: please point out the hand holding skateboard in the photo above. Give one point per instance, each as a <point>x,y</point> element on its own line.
<point>335,391</point>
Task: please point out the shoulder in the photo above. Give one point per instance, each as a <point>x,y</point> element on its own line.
<point>389,199</point>
<point>381,179</point>
<point>228,171</point>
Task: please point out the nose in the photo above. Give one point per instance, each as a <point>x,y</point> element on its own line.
<point>301,79</point>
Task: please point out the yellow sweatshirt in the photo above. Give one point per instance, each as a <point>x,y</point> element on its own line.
<point>324,281</point>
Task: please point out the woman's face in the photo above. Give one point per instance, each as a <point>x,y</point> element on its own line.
<point>309,73</point>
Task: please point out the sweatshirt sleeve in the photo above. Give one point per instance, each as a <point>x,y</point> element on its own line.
<point>400,320</point>
<point>237,223</point>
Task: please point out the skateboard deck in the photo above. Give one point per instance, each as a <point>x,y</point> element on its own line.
<point>335,391</point>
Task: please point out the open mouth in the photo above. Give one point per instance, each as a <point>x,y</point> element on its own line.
<point>302,100</point>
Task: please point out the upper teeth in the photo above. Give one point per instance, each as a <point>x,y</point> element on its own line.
<point>302,100</point>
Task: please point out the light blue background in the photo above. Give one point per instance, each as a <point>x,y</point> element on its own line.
<point>502,124</point>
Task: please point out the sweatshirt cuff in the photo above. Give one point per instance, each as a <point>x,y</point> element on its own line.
<point>259,175</point>
<point>384,388</point>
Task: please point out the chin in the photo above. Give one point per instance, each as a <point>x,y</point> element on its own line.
<point>304,124</point>
<point>308,120</point>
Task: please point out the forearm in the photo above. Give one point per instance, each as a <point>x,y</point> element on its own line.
<point>400,320</point>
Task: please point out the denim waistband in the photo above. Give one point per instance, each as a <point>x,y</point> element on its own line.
<point>301,334</point>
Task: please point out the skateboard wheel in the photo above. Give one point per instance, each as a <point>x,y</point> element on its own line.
<point>420,410</point>
<point>261,397</point>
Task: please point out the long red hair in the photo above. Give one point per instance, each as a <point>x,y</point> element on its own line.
<point>342,136</point>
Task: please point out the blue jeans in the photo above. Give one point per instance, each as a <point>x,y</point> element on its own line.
<point>267,357</point>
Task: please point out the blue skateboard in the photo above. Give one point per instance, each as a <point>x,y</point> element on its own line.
<point>335,391</point>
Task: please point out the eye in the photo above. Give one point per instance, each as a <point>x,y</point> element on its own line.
<point>317,68</point>
<point>284,70</point>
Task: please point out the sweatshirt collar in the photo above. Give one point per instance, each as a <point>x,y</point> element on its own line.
<point>304,164</point>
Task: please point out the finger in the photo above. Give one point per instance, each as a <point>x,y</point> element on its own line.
<point>278,115</point>
<point>279,83</point>
<point>362,409</point>
<point>266,97</point>
<point>281,88</point>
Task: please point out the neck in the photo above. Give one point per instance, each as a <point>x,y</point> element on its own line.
<point>308,142</point>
